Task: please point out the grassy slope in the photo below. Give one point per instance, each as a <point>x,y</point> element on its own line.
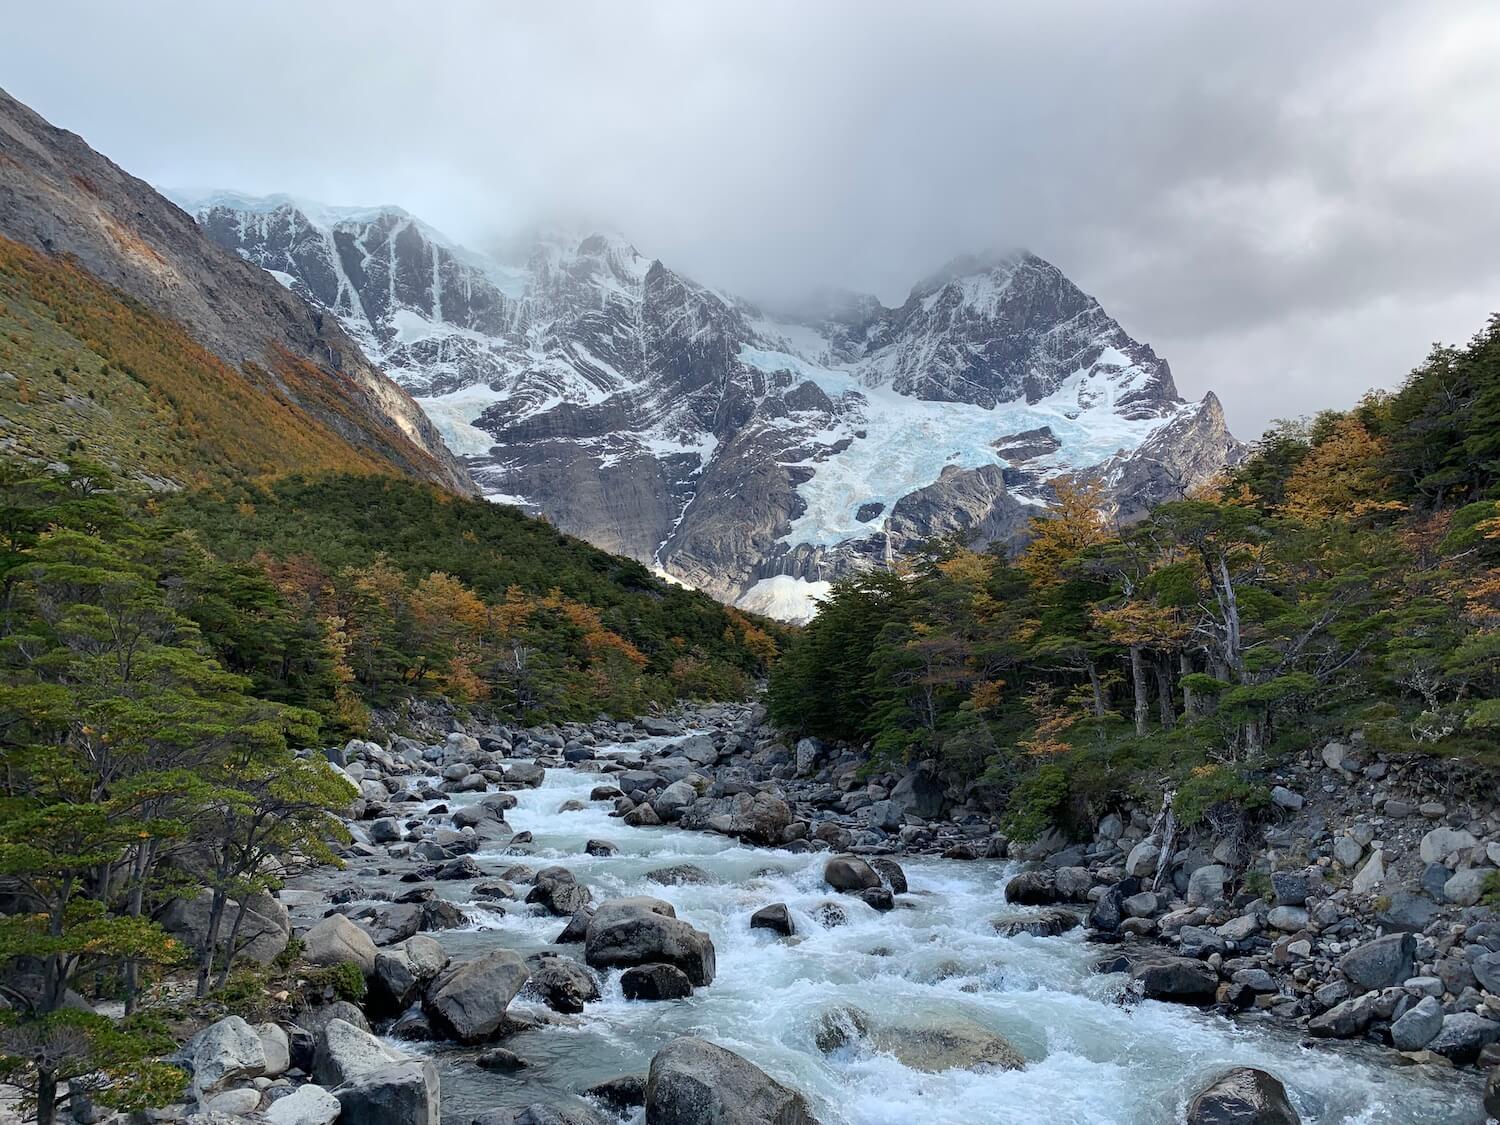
<point>84,370</point>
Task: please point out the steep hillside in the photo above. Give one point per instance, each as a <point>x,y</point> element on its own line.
<point>756,456</point>
<point>61,198</point>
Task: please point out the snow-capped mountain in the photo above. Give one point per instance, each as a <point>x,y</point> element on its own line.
<point>754,455</point>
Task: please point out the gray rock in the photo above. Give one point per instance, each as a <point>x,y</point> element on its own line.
<point>1284,798</point>
<point>403,1093</point>
<point>1380,963</point>
<point>1181,979</point>
<point>1289,919</point>
<point>344,1052</point>
<point>1486,968</point>
<point>309,1104</point>
<point>1419,1026</point>
<point>655,982</point>
<point>1244,1096</point>
<point>1143,859</point>
<point>1291,888</point>
<point>621,938</point>
<point>402,971</point>
<point>775,917</point>
<point>955,1044</point>
<point>234,1103</point>
<point>1440,843</point>
<point>850,873</point>
<point>1371,876</point>
<point>336,940</point>
<point>1206,885</point>
<point>1463,1035</point>
<point>693,1082</point>
<point>1467,887</point>
<point>561,983</point>
<point>1347,851</point>
<point>224,1052</point>
<point>1344,1020</point>
<point>277,1048</point>
<point>919,793</point>
<point>1047,923</point>
<point>467,1001</point>
<point>528,775</point>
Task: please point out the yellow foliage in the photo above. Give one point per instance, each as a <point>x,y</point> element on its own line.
<point>1341,477</point>
<point>1074,524</point>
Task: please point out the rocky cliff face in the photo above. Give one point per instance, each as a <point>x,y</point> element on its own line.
<point>757,456</point>
<point>59,196</point>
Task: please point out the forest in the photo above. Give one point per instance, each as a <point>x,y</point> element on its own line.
<point>163,659</point>
<point>1344,577</point>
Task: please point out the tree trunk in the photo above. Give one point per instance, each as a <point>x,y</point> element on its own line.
<point>211,941</point>
<point>1138,679</point>
<point>46,1098</point>
<point>1098,689</point>
<point>1164,692</point>
<point>231,947</point>
<point>1189,702</point>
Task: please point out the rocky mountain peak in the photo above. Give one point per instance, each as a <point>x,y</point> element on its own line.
<point>758,451</point>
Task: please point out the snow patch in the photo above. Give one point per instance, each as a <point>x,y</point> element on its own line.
<point>785,598</point>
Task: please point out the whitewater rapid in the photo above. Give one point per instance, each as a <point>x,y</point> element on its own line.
<point>1091,1059</point>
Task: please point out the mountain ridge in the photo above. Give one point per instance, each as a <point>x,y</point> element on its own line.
<point>60,197</point>
<point>728,446</point>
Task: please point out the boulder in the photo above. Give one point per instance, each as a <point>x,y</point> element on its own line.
<point>1440,843</point>
<point>1467,887</point>
<point>693,1082</point>
<point>680,874</point>
<point>263,933</point>
<point>1371,876</point>
<point>760,818</point>
<point>1463,1035</point>
<point>559,893</point>
<point>623,937</point>
<point>306,1105</point>
<point>1380,963</point>
<point>955,1044</point>
<point>467,1002</point>
<point>222,1053</point>
<point>278,1048</point>
<point>545,1113</point>
<point>403,1093</point>
<point>1419,1026</point>
<point>775,917</point>
<point>527,775</point>
<point>1244,1096</point>
<point>850,873</point>
<point>336,940</point>
<point>1344,1020</point>
<point>402,971</point>
<point>344,1052</point>
<point>1206,885</point>
<point>655,982</point>
<point>1032,888</point>
<point>890,873</point>
<point>920,793</point>
<point>561,983</point>
<point>1180,979</point>
<point>1143,858</point>
<point>392,922</point>
<point>1047,923</point>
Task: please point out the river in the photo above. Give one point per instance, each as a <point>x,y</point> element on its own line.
<point>1091,1059</point>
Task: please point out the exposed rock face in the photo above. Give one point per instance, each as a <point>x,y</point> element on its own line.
<point>753,455</point>
<point>61,197</point>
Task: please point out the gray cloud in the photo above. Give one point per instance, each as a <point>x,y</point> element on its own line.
<point>1290,201</point>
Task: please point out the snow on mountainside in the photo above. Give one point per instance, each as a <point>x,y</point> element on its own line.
<point>756,456</point>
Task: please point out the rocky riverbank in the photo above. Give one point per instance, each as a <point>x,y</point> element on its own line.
<point>1288,929</point>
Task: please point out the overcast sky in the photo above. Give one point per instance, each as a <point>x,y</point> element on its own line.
<point>1290,201</point>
